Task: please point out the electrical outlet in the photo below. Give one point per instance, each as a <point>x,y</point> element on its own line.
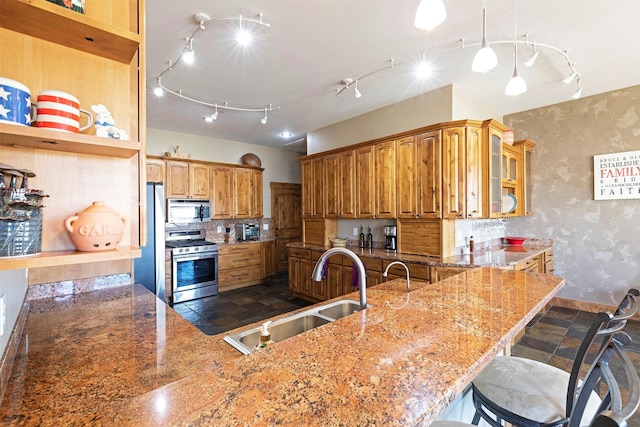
<point>3,316</point>
<point>355,231</point>
<point>265,226</point>
<point>219,229</point>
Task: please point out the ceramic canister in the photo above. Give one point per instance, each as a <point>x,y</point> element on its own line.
<point>15,102</point>
<point>61,111</point>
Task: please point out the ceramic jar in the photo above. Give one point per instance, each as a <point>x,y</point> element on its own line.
<point>97,228</point>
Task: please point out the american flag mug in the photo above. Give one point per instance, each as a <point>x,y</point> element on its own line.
<point>61,111</point>
<point>15,103</point>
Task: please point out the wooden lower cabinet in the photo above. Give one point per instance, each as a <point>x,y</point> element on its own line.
<point>439,273</point>
<point>416,271</point>
<point>530,264</point>
<point>239,266</point>
<point>546,266</point>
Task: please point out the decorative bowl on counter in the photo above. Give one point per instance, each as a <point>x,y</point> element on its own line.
<point>515,240</point>
<point>338,243</point>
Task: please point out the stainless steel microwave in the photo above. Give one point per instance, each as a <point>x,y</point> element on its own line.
<point>184,211</point>
<point>246,232</point>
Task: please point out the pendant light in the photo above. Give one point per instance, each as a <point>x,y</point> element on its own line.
<point>430,14</point>
<point>516,85</point>
<point>485,58</point>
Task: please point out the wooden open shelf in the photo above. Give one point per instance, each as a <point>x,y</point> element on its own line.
<point>48,21</point>
<point>48,139</point>
<point>61,258</point>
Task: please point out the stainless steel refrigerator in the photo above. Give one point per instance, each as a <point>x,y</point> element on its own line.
<point>149,269</point>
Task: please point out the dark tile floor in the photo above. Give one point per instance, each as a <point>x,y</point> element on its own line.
<point>232,309</point>
<point>551,337</point>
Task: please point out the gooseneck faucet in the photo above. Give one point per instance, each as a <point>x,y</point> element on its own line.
<point>362,278</point>
<point>405,267</point>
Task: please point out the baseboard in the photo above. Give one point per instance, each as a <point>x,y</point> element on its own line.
<point>591,307</point>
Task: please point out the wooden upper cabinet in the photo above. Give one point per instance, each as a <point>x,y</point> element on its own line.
<point>221,192</point>
<point>454,172</point>
<point>243,193</point>
<point>385,179</point>
<point>312,188</point>
<point>347,184</point>
<point>493,188</point>
<point>526,194</point>
<point>199,182</point>
<point>475,177</point>
<point>155,170</point>
<point>177,179</point>
<point>418,176</point>
<point>365,178</point>
<point>331,170</point>
<point>256,208</point>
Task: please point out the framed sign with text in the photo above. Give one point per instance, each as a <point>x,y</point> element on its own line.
<point>616,176</point>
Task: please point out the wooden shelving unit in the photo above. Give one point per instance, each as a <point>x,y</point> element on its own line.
<point>62,258</point>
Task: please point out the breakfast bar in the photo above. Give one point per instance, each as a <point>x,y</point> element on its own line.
<point>121,357</point>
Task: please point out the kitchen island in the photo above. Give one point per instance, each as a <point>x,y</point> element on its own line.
<point>121,357</point>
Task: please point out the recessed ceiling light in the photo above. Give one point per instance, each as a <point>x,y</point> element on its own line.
<point>286,134</point>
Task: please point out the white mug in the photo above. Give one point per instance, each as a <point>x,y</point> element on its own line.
<point>15,103</point>
<point>60,111</point>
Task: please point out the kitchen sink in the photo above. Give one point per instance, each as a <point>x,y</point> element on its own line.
<point>287,327</point>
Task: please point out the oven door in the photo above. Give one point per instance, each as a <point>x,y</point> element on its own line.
<point>194,276</point>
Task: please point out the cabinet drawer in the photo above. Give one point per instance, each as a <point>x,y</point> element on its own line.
<point>299,253</point>
<point>372,264</point>
<point>238,275</point>
<point>245,248</point>
<point>334,259</point>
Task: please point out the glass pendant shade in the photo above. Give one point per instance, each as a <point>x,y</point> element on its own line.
<point>485,59</point>
<point>430,14</point>
<point>516,85</point>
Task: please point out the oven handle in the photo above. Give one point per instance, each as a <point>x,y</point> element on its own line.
<point>194,257</point>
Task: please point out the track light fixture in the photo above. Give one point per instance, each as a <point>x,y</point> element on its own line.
<point>485,58</point>
<point>430,14</point>
<point>356,92</point>
<point>188,55</point>
<point>532,59</point>
<point>516,84</point>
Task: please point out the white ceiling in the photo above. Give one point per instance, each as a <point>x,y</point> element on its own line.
<point>312,45</point>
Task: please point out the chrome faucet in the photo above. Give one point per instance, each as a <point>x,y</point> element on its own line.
<point>362,278</point>
<point>405,267</point>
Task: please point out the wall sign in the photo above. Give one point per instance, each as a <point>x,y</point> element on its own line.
<point>616,176</point>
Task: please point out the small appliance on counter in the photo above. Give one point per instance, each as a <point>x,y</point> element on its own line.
<point>390,237</point>
<point>247,232</point>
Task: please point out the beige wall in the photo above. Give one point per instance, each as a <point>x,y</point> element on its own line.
<point>441,105</point>
<point>596,242</point>
<point>279,165</point>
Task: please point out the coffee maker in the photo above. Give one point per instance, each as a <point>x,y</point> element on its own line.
<point>390,238</point>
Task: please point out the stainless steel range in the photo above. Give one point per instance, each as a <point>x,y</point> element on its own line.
<point>194,265</point>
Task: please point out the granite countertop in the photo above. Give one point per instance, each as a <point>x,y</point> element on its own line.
<point>121,357</point>
<point>500,255</point>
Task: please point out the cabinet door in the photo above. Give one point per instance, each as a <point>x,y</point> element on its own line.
<point>334,281</point>
<point>318,187</point>
<point>242,193</point>
<point>221,192</point>
<point>347,184</point>
<point>527,177</point>
<point>306,171</point>
<point>385,180</point>
<point>365,181</point>
<point>177,179</point>
<point>475,172</point>
<point>407,177</point>
<point>256,207</point>
<point>155,170</point>
<point>494,164</point>
<point>453,172</point>
<point>304,277</point>
<point>511,178</point>
<point>267,259</point>
<point>331,186</point>
<point>294,267</point>
<point>429,175</point>
<point>199,182</point>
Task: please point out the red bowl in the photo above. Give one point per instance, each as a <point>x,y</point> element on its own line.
<point>515,240</point>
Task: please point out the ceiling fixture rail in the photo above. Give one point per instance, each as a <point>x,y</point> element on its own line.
<point>188,55</point>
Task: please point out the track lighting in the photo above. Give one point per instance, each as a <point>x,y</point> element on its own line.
<point>423,70</point>
<point>188,54</point>
<point>356,92</point>
<point>430,14</point>
<point>516,85</point>
<point>578,93</point>
<point>532,59</point>
<point>485,58</point>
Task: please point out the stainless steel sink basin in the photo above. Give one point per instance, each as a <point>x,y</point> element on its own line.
<point>287,327</point>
